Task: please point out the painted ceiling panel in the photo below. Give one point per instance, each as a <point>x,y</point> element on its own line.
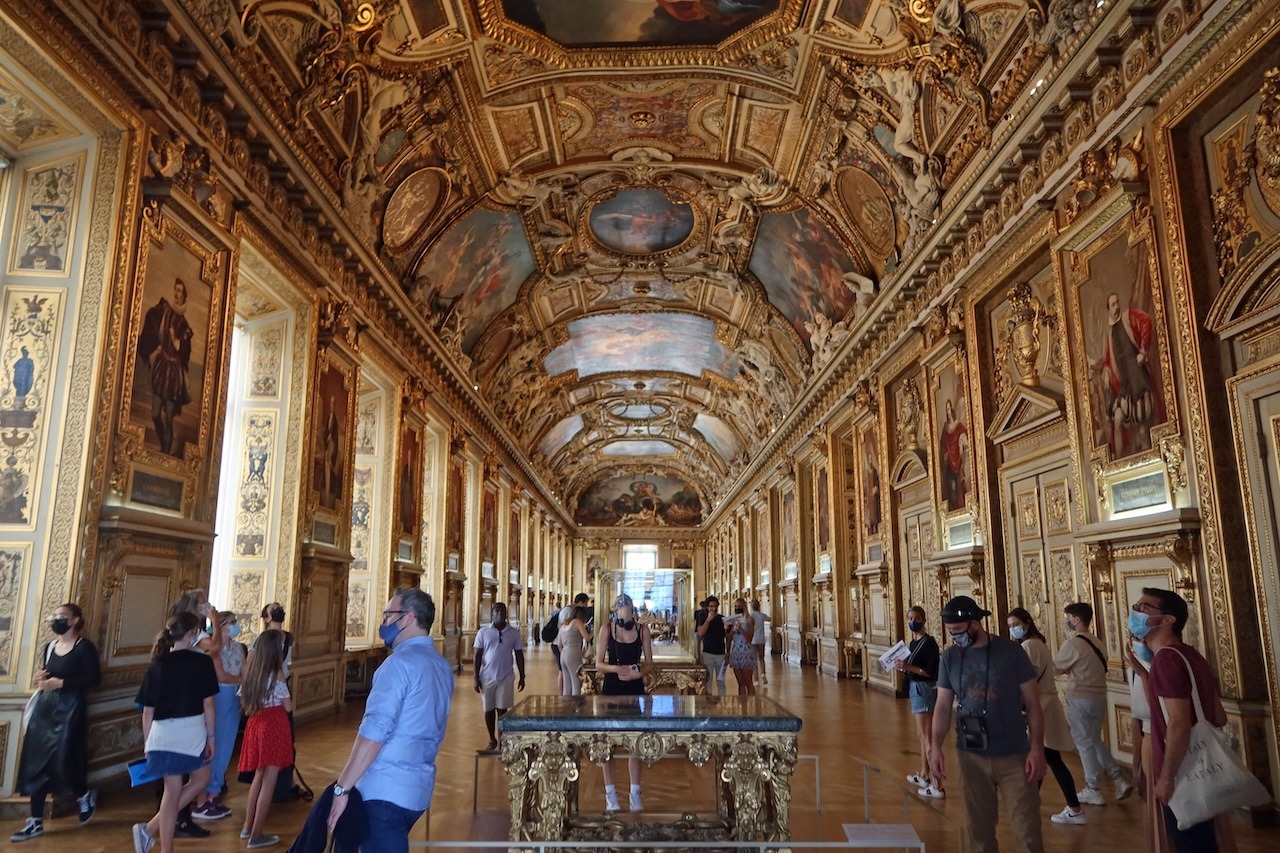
<point>475,271</point>
<point>648,500</point>
<point>718,434</point>
<point>586,23</point>
<point>801,262</point>
<point>657,341</point>
<point>638,448</point>
<point>560,435</point>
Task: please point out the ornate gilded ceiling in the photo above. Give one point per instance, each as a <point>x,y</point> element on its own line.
<point>642,227</point>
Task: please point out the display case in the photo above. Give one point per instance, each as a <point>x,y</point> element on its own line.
<point>664,603</point>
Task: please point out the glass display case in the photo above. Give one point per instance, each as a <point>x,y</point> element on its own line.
<point>664,603</point>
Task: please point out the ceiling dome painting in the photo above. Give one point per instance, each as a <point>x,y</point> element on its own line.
<point>648,500</point>
<point>597,23</point>
<point>641,222</point>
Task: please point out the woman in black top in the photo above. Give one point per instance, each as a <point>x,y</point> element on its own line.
<point>177,700</point>
<point>55,750</point>
<point>625,658</point>
<point>920,671</point>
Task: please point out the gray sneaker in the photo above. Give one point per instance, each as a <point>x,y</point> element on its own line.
<point>142,840</point>
<point>263,841</point>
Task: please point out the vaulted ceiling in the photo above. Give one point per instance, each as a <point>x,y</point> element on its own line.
<point>642,227</point>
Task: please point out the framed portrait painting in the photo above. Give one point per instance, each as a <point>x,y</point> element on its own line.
<point>331,457</point>
<point>1121,346</point>
<point>822,514</point>
<point>174,356</point>
<point>869,482</point>
<point>953,440</point>
<point>408,483</point>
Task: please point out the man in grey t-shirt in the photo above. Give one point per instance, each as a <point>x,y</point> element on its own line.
<point>999,727</point>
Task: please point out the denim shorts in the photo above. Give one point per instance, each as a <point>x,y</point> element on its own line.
<point>922,695</point>
<point>163,763</point>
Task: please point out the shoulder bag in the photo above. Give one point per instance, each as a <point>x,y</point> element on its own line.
<point>30,709</point>
<point>1211,780</point>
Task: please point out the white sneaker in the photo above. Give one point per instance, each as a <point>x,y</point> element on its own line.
<point>1070,817</point>
<point>611,802</point>
<point>1124,788</point>
<point>1091,796</point>
<point>918,780</point>
<point>635,805</point>
<point>933,792</point>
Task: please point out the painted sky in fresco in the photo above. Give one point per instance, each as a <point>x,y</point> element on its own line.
<point>581,23</point>
<point>641,221</point>
<point>800,262</point>
<point>559,435</point>
<point>605,343</point>
<point>634,499</point>
<point>478,267</point>
<point>718,434</point>
<point>637,448</point>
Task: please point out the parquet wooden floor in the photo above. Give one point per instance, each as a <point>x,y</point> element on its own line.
<point>843,722</point>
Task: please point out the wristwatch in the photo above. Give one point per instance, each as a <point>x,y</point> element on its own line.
<point>339,791</point>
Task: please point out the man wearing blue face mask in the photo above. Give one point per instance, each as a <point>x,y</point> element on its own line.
<point>1000,752</point>
<point>393,761</point>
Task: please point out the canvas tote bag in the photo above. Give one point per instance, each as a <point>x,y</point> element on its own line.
<point>1211,780</point>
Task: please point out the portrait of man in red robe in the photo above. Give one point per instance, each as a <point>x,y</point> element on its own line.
<point>1131,400</point>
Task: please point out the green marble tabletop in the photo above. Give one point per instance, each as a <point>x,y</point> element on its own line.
<point>660,713</point>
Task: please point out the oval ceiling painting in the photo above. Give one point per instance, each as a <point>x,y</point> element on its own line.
<point>640,222</point>
<point>412,205</point>
<point>648,500</point>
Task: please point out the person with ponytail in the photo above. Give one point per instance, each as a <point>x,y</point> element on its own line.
<point>178,715</point>
<point>268,737</point>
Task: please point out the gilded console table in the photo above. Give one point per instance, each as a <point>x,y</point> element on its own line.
<point>751,739</point>
<point>683,677</point>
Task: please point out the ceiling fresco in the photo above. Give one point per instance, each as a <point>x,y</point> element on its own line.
<point>676,343</point>
<point>641,500</point>
<point>642,230</point>
<point>584,23</point>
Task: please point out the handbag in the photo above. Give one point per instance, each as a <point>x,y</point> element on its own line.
<point>1211,780</point>
<point>30,709</point>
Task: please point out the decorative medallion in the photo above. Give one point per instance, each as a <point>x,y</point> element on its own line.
<point>641,221</point>
<point>870,212</point>
<point>412,205</point>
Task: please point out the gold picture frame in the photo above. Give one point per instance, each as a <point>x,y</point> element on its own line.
<point>176,353</point>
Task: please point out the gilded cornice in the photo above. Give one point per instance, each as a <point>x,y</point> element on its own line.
<point>1087,94</point>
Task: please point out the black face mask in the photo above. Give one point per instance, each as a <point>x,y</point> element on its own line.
<point>60,625</point>
<point>626,624</point>
<point>737,610</point>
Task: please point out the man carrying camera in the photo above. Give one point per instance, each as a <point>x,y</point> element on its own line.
<point>1000,751</point>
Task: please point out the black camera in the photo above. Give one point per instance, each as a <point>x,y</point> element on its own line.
<point>972,732</point>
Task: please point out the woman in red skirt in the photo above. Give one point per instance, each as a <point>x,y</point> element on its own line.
<point>268,738</point>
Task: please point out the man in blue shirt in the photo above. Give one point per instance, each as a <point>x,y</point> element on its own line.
<point>393,761</point>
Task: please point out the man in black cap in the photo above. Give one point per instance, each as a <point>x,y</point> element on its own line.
<point>994,684</point>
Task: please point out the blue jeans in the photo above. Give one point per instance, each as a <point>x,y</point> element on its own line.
<point>389,827</point>
<point>226,723</point>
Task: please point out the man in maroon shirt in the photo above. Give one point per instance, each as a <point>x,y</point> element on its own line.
<point>1172,714</point>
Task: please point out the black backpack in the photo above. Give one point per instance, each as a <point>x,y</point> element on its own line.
<point>552,628</point>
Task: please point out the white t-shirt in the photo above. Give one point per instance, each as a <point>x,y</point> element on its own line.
<point>499,650</point>
<point>758,635</point>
